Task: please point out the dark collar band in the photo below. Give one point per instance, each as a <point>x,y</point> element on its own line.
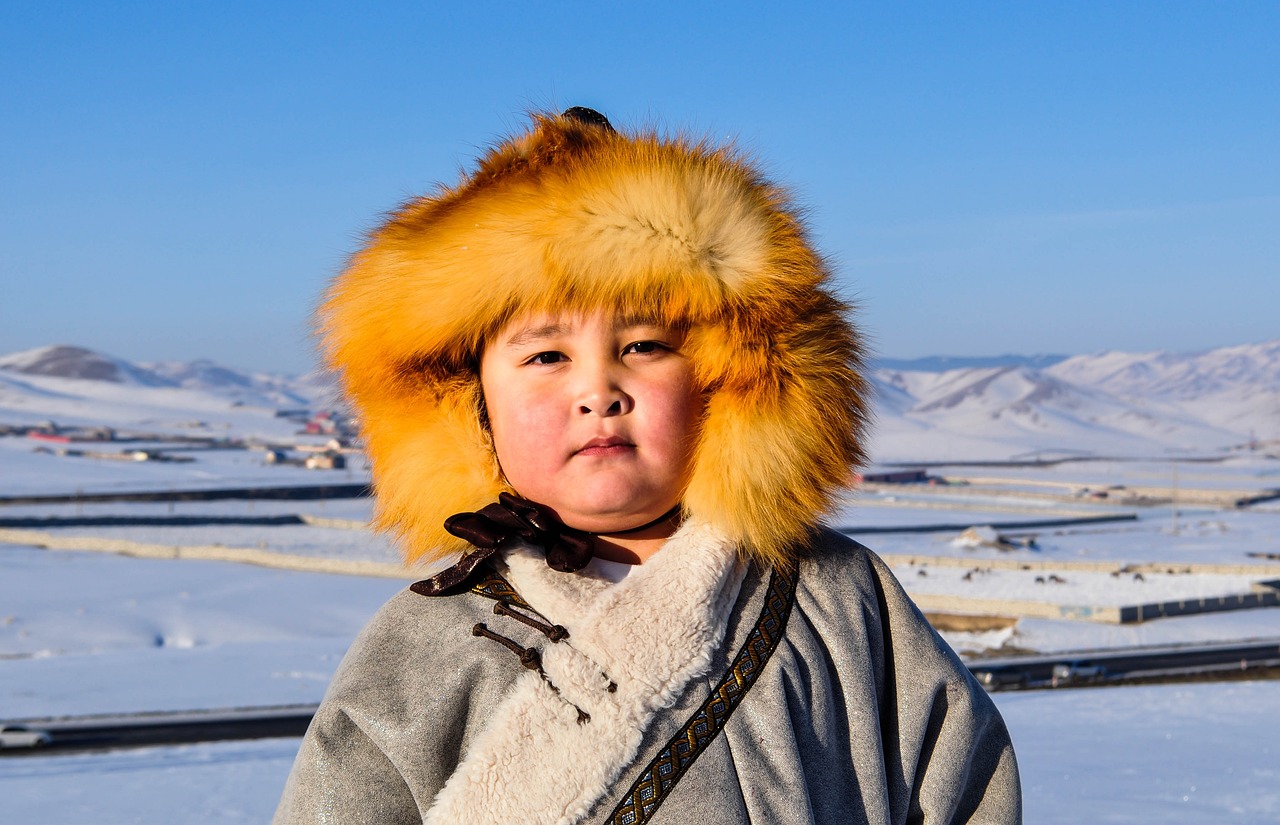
<point>670,514</point>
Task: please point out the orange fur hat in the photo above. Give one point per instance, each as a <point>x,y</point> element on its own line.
<point>573,215</point>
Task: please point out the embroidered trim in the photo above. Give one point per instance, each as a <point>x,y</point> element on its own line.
<point>655,783</point>
<point>493,586</point>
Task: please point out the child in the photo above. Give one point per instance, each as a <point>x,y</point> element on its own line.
<point>628,343</point>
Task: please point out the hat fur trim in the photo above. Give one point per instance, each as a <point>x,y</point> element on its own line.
<point>570,216</point>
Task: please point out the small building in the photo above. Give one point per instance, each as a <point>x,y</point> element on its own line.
<point>330,423</point>
<point>52,437</point>
<point>326,461</point>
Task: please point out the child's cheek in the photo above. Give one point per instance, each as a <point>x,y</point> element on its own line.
<point>534,440</point>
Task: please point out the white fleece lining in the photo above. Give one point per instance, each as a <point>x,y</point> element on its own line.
<point>650,633</point>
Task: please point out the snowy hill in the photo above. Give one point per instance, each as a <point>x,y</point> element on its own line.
<point>1111,403</point>
<point>80,367</point>
<point>260,389</point>
<point>1234,388</point>
<point>61,361</point>
<point>1162,374</point>
<point>75,386</point>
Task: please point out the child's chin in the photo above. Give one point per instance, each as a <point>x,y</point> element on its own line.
<point>613,519</point>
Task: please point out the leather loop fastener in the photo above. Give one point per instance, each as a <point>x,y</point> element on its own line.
<point>510,521</point>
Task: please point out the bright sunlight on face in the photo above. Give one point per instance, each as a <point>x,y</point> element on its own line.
<point>592,415</point>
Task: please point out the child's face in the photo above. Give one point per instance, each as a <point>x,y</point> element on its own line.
<point>593,415</point>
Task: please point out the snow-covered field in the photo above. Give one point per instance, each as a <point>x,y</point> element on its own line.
<point>96,632</point>
<point>1169,754</point>
<point>29,472</point>
<point>92,633</point>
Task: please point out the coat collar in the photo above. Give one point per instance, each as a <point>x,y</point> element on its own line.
<point>633,649</point>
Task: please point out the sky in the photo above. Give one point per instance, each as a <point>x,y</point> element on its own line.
<point>181,180</point>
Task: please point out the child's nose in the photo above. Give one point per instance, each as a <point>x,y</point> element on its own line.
<point>604,398</point>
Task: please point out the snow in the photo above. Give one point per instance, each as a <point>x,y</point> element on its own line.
<point>85,633</point>
<point>1075,588</point>
<point>1112,403</point>
<point>107,633</point>
<point>305,540</point>
<point>1137,404</point>
<point>218,783</point>
<point>78,362</point>
<point>93,633</point>
<point>1178,755</point>
<point>1172,753</point>
<point>30,472</point>
<point>1168,375</point>
<point>96,632</point>
<point>87,368</point>
<point>1234,388</point>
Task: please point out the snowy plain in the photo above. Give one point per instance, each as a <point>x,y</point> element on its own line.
<point>95,633</point>
<point>85,633</point>
<point>1170,754</point>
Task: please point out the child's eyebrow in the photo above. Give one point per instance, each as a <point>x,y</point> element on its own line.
<point>534,334</point>
<point>630,321</point>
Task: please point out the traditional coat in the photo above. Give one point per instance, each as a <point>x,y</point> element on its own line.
<point>861,714</point>
<point>776,670</point>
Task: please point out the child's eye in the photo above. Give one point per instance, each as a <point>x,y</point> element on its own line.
<point>547,358</point>
<point>643,348</point>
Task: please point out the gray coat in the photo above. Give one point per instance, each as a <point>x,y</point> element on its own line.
<point>863,714</point>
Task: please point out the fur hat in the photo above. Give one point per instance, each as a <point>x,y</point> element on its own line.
<point>573,215</point>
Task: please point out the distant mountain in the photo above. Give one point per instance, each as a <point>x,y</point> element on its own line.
<point>1236,388</point>
<point>1166,375</point>
<point>62,361</point>
<point>1114,403</point>
<point>945,363</point>
<point>1109,403</point>
<point>256,389</point>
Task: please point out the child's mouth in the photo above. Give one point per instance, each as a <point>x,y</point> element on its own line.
<point>612,445</point>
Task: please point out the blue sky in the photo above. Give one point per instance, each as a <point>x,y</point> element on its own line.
<point>180,180</point>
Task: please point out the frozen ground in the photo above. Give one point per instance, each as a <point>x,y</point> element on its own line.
<point>1204,753</point>
<point>1226,549</point>
<point>32,472</point>
<point>1085,757</point>
<point>97,632</point>
<point>306,540</point>
<point>92,633</point>
<point>101,633</point>
<point>1171,754</point>
<point>1178,755</point>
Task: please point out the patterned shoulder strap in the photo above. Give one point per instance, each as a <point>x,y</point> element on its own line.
<point>656,781</point>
